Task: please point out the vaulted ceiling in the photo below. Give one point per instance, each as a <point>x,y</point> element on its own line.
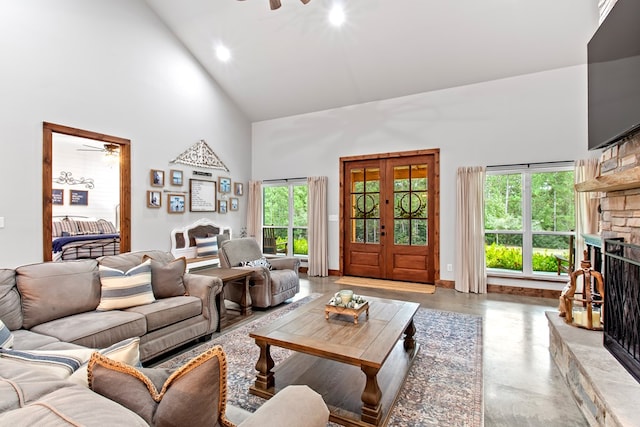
<point>291,61</point>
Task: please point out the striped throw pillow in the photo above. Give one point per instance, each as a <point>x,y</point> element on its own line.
<point>6,337</point>
<point>72,364</point>
<point>124,290</point>
<point>61,363</point>
<point>206,246</point>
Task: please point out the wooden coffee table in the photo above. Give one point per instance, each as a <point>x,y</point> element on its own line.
<point>333,354</point>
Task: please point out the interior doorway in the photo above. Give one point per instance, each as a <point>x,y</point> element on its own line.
<point>390,216</point>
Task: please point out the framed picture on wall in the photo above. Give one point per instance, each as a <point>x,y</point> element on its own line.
<point>78,197</point>
<point>176,177</point>
<point>176,203</point>
<point>233,204</point>
<point>238,189</point>
<point>154,199</point>
<point>202,195</point>
<point>222,206</point>
<point>57,196</point>
<point>157,178</point>
<point>224,184</point>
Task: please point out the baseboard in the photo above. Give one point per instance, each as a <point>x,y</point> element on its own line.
<point>518,290</point>
<point>511,290</point>
<point>448,284</point>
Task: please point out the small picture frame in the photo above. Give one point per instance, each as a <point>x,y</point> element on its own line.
<point>238,189</point>
<point>57,196</point>
<point>224,185</point>
<point>176,177</point>
<point>175,203</point>
<point>222,206</point>
<point>234,204</point>
<point>78,198</point>
<point>154,199</point>
<point>157,178</point>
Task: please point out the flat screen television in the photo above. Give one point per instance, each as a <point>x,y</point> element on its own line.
<point>614,76</point>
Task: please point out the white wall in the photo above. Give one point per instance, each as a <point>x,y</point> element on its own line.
<point>108,66</point>
<point>532,118</point>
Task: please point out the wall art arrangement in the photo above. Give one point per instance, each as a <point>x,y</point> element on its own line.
<point>205,195</point>
<point>76,197</point>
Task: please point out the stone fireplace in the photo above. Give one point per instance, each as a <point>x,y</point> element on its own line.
<point>620,208</point>
<point>619,187</point>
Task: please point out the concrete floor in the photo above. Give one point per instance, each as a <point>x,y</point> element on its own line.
<point>522,385</point>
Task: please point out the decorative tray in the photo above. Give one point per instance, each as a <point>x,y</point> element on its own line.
<point>354,308</point>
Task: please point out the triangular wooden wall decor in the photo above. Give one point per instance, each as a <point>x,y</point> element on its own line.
<point>200,155</point>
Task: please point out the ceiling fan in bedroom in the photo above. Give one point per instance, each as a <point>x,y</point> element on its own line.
<point>107,149</point>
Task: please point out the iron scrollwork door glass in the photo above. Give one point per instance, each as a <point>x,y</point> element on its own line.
<point>365,205</point>
<point>410,197</point>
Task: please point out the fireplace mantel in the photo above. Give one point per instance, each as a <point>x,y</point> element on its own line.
<point>617,181</point>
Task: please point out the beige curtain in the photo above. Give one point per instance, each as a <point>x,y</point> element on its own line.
<point>254,211</point>
<point>471,275</point>
<point>318,224</point>
<point>586,205</point>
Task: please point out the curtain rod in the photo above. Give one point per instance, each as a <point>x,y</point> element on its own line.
<point>285,179</point>
<point>530,164</point>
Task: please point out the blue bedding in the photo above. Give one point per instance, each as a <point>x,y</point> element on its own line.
<point>59,243</point>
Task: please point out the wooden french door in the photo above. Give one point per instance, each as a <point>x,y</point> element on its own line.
<point>390,217</point>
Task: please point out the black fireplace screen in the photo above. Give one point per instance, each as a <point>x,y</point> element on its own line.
<point>622,304</point>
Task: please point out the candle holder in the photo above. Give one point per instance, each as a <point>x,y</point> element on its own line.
<point>582,310</point>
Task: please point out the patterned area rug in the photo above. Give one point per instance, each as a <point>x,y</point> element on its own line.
<point>443,388</point>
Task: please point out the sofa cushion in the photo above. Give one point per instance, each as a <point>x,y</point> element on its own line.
<point>29,340</point>
<point>168,311</point>
<point>206,246</point>
<point>125,289</point>
<point>6,337</point>
<point>195,394</point>
<point>10,309</point>
<point>167,277</point>
<point>96,329</point>
<point>54,290</point>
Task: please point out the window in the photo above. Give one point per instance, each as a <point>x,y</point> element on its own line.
<point>529,216</point>
<point>285,219</point>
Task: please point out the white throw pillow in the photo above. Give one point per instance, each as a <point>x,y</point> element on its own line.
<point>260,262</point>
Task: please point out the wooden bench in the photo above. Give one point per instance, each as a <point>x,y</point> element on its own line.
<point>183,243</point>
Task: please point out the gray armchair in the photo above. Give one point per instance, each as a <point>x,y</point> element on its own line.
<point>267,287</point>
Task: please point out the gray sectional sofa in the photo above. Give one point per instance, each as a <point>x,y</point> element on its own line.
<point>57,301</point>
<point>52,307</point>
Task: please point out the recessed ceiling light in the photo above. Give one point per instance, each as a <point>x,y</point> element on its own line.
<point>336,16</point>
<point>223,53</point>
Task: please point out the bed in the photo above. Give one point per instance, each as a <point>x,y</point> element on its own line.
<point>81,238</point>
